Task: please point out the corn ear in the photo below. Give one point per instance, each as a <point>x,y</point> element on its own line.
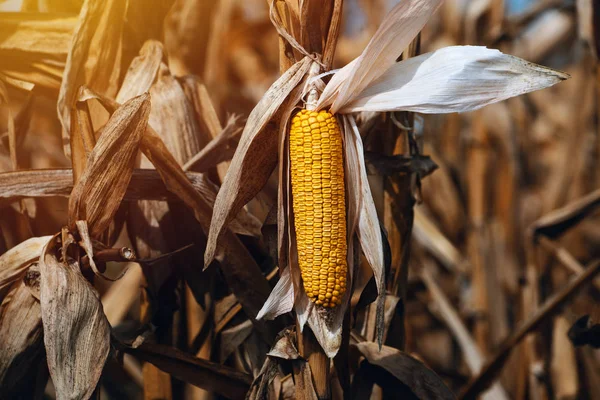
<point>319,203</point>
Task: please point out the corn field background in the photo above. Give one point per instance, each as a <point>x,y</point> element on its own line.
<point>119,120</point>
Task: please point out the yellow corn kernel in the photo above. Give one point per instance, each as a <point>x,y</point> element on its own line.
<point>319,202</point>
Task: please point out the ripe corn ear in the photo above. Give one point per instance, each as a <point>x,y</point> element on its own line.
<point>319,202</point>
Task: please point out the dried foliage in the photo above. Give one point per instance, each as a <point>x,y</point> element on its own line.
<point>147,233</point>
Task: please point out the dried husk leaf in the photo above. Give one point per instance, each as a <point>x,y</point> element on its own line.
<point>20,340</point>
<point>394,35</point>
<point>368,229</point>
<point>15,261</point>
<point>255,157</point>
<point>422,381</point>
<point>281,299</point>
<point>99,192</point>
<point>76,332</point>
<point>452,79</point>
<point>94,57</point>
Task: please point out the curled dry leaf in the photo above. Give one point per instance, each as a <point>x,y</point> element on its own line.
<point>76,332</point>
<point>255,157</point>
<point>20,340</point>
<point>99,192</point>
<point>422,381</point>
<point>15,261</point>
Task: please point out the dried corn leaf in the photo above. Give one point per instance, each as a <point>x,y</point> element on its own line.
<point>219,149</point>
<point>20,339</point>
<point>232,338</point>
<point>173,118</point>
<point>15,261</point>
<point>422,381</point>
<point>99,192</point>
<point>204,374</point>
<point>82,138</point>
<point>76,332</point>
<point>94,57</point>
<point>557,222</point>
<point>255,157</point>
<point>142,71</point>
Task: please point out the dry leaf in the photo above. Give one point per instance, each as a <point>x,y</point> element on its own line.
<point>422,381</point>
<point>76,332</point>
<point>98,194</point>
<point>15,261</point>
<point>20,339</point>
<point>142,72</point>
<point>94,57</point>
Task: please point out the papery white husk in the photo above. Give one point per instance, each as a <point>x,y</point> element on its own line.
<point>453,79</point>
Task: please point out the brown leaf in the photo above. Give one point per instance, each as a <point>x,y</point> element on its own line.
<point>260,386</point>
<point>204,374</point>
<point>557,222</point>
<point>305,389</point>
<point>422,381</point>
<point>255,157</point>
<point>76,332</point>
<point>20,339</point>
<point>232,338</point>
<point>142,71</point>
<point>94,57</point>
<point>98,194</point>
<point>15,261</point>
<point>82,138</point>
<point>220,149</point>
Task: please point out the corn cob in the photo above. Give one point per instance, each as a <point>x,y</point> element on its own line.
<point>319,202</point>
